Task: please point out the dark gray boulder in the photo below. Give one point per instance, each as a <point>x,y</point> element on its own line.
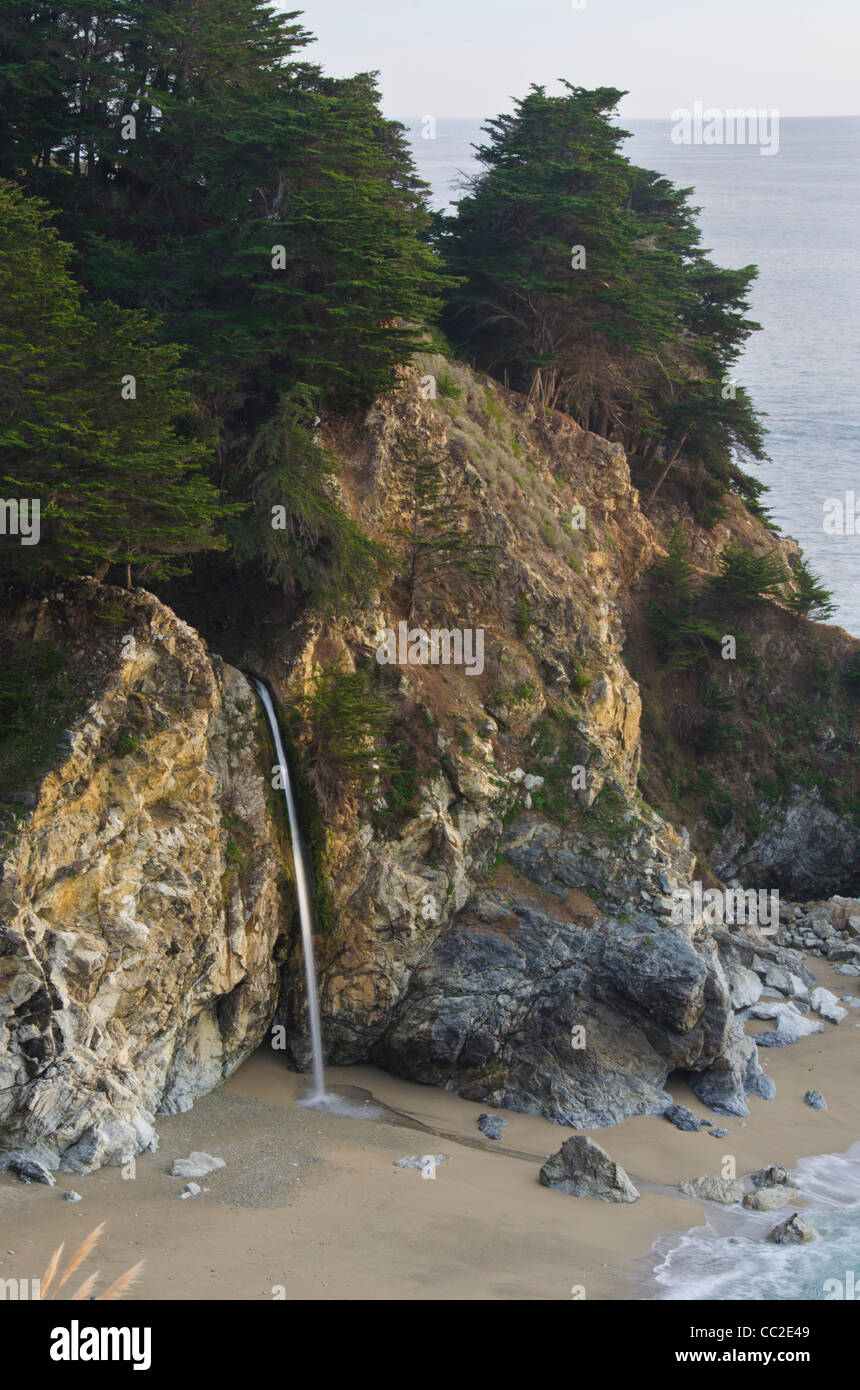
<point>815,1100</point>
<point>491,1125</point>
<point>29,1170</point>
<point>772,1176</point>
<point>682,1118</point>
<point>517,1007</point>
<point>796,1230</point>
<point>582,1168</point>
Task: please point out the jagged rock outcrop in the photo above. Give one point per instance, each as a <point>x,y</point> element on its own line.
<point>807,849</point>
<point>140,899</point>
<point>522,1009</point>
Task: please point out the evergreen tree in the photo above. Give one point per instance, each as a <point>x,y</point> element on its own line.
<point>97,422</point>
<point>808,596</point>
<point>435,541</point>
<point>581,276</point>
<point>295,528</point>
<point>269,216</point>
<point>682,633</point>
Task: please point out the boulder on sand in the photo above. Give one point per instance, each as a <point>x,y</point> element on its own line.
<point>583,1169</point>
<point>682,1118</point>
<point>770,1198</point>
<point>827,1005</point>
<point>771,1176</point>
<point>726,1191</point>
<point>29,1170</point>
<point>491,1125</point>
<point>196,1165</point>
<point>815,1100</point>
<point>791,1025</point>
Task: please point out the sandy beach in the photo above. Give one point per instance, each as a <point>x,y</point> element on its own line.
<point>311,1206</point>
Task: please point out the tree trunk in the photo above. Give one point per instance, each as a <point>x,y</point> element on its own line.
<point>661,479</point>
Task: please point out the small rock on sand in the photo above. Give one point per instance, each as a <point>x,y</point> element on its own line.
<point>815,1100</point>
<point>196,1165</point>
<point>727,1191</point>
<point>29,1170</point>
<point>770,1198</point>
<point>682,1118</point>
<point>491,1125</point>
<point>582,1168</point>
<point>827,1005</point>
<point>771,1176</point>
<point>72,1196</point>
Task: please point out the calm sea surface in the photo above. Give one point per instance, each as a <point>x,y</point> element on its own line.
<point>796,215</point>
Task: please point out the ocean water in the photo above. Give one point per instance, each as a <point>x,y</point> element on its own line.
<point>796,215</point>
<point>730,1259</point>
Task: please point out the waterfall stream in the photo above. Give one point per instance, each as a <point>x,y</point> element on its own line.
<point>303,893</point>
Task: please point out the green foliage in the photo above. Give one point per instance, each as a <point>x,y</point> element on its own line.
<point>119,481</point>
<point>295,529</point>
<point>808,596</point>
<point>746,579</point>
<point>447,386</point>
<point>637,341</point>
<point>522,617</point>
<point>240,147</point>
<point>682,632</point>
<point>261,223</point>
<point>851,673</point>
<point>41,693</point>
<point>435,542</point>
<point>344,718</point>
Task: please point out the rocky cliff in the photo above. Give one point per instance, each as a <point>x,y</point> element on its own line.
<point>496,912</point>
<point>141,897</point>
<point>508,932</point>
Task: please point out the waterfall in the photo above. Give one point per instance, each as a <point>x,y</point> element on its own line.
<point>303,893</point>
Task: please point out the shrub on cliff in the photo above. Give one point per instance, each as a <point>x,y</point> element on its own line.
<point>681,631</point>
<point>808,597</point>
<point>342,720</point>
<point>745,579</point>
<point>294,528</point>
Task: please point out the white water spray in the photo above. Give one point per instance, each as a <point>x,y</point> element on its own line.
<point>318,1095</point>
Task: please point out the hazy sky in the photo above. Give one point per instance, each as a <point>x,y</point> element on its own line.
<point>467,57</point>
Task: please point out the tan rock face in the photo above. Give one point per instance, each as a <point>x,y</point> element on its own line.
<point>569,539</point>
<point>141,900</point>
